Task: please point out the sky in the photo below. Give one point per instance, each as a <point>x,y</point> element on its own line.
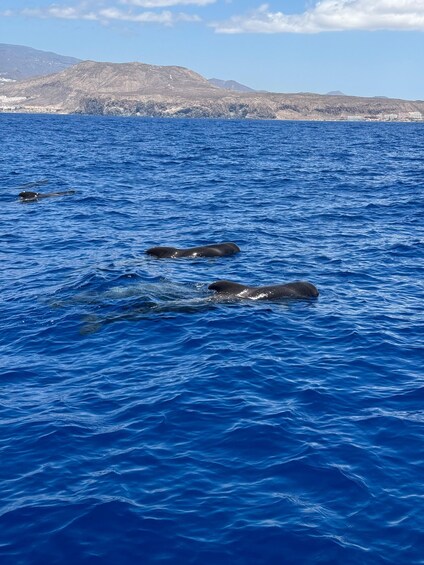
<point>358,47</point>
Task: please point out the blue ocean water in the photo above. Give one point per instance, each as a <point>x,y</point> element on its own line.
<point>142,421</point>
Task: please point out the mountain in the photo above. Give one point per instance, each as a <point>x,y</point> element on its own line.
<point>18,62</point>
<point>137,89</point>
<point>336,93</point>
<point>67,91</point>
<point>230,85</point>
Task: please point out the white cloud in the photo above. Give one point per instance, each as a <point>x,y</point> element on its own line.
<point>332,15</point>
<point>166,3</point>
<point>110,14</point>
<point>106,15</point>
<point>165,17</point>
<point>66,13</point>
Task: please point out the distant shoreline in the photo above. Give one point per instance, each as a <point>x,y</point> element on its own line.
<point>40,112</point>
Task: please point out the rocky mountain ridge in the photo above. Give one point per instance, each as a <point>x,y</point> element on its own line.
<point>137,89</point>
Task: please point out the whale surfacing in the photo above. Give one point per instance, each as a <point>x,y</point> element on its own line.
<point>297,289</point>
<point>214,250</point>
<point>29,196</point>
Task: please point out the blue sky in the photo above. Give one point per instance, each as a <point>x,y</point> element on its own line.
<point>361,47</point>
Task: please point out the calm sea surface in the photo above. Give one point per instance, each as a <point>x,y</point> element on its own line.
<point>142,421</point>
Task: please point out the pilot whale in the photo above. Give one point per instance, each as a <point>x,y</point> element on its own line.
<point>297,289</point>
<point>29,196</point>
<point>214,250</point>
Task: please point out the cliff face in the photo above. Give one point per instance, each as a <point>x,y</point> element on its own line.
<point>179,107</point>
<point>282,107</point>
<point>136,89</point>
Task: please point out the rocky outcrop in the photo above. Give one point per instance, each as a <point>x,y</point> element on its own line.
<point>178,107</point>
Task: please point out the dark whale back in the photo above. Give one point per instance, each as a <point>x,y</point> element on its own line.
<point>297,289</point>
<point>163,252</point>
<point>214,250</point>
<point>27,195</point>
<point>228,287</point>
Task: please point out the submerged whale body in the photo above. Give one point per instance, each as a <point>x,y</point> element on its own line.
<point>214,250</point>
<point>28,195</point>
<point>297,289</point>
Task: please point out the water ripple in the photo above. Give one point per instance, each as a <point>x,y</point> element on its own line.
<point>142,420</point>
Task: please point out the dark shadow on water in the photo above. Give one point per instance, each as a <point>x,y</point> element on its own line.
<point>145,310</point>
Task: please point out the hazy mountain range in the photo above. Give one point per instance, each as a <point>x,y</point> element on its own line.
<point>18,62</point>
<point>230,85</point>
<point>151,90</point>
